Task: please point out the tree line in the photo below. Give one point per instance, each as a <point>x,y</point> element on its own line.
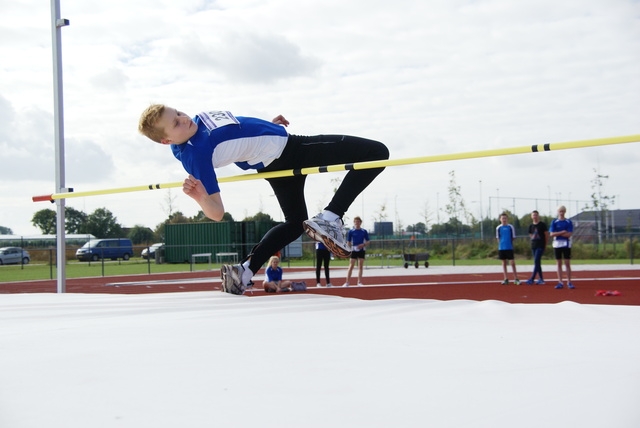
<point>101,223</point>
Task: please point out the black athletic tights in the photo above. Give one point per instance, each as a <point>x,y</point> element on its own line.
<point>318,150</point>
<point>323,256</point>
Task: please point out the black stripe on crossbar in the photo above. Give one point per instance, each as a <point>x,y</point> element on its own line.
<point>323,169</point>
<point>297,172</point>
<point>546,147</point>
<point>348,166</point>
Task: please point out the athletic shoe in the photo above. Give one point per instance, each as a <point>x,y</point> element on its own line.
<point>516,282</point>
<point>360,284</point>
<point>570,285</point>
<point>346,284</point>
<point>559,286</point>
<point>330,233</point>
<point>529,282</point>
<point>505,282</point>
<point>319,285</point>
<point>232,279</point>
<point>540,282</point>
<point>329,285</point>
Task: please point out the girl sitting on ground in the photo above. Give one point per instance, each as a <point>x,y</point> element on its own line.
<point>273,282</point>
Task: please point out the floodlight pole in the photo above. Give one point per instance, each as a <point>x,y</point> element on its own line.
<point>56,24</point>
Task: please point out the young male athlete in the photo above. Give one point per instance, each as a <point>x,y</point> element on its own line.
<point>359,239</point>
<point>561,230</point>
<point>506,233</point>
<point>213,139</point>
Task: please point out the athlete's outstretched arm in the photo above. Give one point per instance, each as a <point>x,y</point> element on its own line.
<point>211,205</point>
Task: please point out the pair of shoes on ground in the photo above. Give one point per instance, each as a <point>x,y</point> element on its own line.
<point>561,285</point>
<point>346,284</point>
<point>506,282</point>
<point>320,285</point>
<point>330,233</point>
<point>531,282</point>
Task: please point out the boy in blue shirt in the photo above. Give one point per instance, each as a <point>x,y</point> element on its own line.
<point>213,139</point>
<point>506,233</point>
<point>561,230</point>
<point>359,239</point>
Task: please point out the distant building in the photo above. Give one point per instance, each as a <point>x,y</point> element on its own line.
<point>614,222</point>
<point>42,240</point>
<point>383,228</point>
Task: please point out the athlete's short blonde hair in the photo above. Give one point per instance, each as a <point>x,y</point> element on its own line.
<point>149,118</point>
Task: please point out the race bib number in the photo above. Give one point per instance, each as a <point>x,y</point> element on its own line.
<point>216,119</point>
<point>560,243</point>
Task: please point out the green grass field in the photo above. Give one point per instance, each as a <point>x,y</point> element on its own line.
<point>75,269</point>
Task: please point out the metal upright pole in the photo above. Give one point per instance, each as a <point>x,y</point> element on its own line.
<point>481,214</point>
<point>56,24</point>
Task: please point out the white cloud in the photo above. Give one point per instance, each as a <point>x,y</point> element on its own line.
<point>23,148</point>
<point>28,149</point>
<point>113,79</point>
<point>242,57</point>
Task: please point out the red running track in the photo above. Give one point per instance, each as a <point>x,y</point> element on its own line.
<point>475,286</point>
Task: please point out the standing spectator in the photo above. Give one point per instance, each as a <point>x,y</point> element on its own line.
<point>506,233</point>
<point>359,239</point>
<point>561,230</point>
<point>323,256</point>
<point>539,235</point>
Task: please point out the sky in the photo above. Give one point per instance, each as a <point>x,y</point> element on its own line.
<point>425,78</point>
<point>205,359</point>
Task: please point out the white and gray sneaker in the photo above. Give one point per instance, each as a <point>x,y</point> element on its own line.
<point>232,279</point>
<point>330,233</point>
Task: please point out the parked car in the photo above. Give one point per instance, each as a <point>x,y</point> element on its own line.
<point>150,252</point>
<point>96,249</point>
<point>10,255</point>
